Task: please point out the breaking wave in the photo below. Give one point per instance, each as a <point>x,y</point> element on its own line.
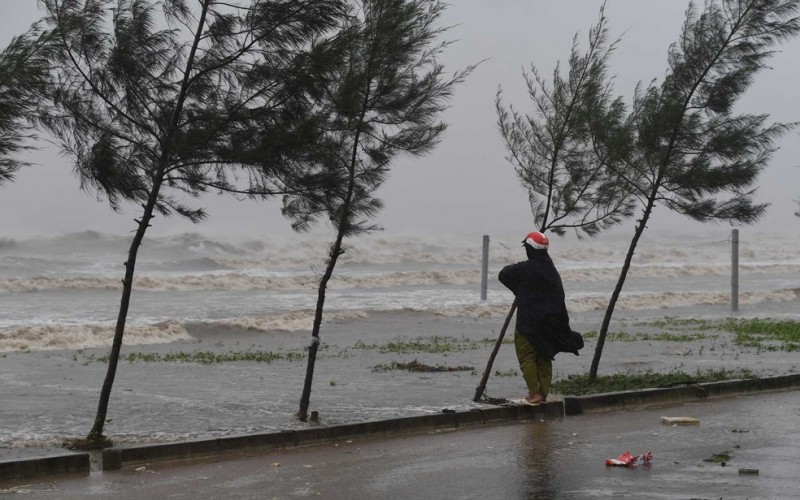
<point>293,321</point>
<point>244,281</point>
<point>55,336</point>
<point>631,302</point>
<point>70,336</point>
<point>220,281</point>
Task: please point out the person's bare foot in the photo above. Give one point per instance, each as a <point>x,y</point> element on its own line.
<point>535,398</point>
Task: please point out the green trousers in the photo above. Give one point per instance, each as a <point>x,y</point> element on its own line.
<point>537,370</point>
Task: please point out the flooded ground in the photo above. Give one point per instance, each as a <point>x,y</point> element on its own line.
<point>759,435</point>
<point>51,395</point>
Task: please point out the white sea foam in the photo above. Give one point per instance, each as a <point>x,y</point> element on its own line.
<point>55,336</point>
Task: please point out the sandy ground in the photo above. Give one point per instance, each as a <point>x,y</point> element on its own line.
<point>46,396</point>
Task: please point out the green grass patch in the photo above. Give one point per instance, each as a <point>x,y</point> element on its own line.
<point>507,373</point>
<point>432,345</point>
<point>579,385</point>
<point>204,357</point>
<point>766,334</point>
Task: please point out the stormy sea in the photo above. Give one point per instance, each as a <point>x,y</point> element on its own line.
<point>63,291</point>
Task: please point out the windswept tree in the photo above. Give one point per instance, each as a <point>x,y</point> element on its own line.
<point>693,155</point>
<point>23,74</point>
<point>158,101</point>
<point>568,153</point>
<point>382,101</point>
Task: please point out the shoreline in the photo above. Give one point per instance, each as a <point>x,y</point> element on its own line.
<point>52,395</point>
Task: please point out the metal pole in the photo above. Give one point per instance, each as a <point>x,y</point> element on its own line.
<point>485,267</point>
<point>735,270</point>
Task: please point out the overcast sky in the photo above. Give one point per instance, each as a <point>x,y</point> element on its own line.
<point>465,185</point>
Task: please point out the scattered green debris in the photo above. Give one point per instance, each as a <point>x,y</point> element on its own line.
<point>508,339</point>
<point>416,366</point>
<point>672,323</point>
<point>637,337</point>
<point>508,373</point>
<point>434,345</point>
<point>577,385</point>
<point>203,357</point>
<point>719,458</point>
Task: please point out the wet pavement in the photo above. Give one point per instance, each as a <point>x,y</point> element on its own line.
<point>560,459</point>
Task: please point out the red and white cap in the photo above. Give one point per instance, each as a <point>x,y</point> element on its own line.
<point>536,240</point>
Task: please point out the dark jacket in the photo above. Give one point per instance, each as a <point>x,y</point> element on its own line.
<point>542,316</point>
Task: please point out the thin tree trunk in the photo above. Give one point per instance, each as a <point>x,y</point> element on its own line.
<point>96,434</point>
<point>601,337</point>
<point>333,256</point>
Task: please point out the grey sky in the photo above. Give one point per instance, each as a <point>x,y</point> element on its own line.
<point>465,185</point>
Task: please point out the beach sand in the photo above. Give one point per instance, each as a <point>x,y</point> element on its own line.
<point>48,396</point>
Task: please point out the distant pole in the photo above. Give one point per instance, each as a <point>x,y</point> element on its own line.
<point>735,270</point>
<point>485,267</point>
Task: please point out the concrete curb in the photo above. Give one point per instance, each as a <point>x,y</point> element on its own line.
<point>59,463</point>
<point>125,456</point>
<point>575,405</point>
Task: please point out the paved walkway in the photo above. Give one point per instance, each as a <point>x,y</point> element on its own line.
<point>561,459</point>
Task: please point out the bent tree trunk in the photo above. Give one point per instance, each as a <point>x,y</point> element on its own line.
<point>601,337</point>
<point>335,252</point>
<point>333,256</point>
<point>95,436</point>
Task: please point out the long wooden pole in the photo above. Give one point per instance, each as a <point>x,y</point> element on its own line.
<point>734,270</point>
<point>479,390</point>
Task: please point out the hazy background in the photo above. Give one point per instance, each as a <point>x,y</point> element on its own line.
<point>465,185</point>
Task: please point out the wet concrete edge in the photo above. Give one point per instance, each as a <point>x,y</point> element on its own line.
<point>57,463</point>
<point>575,405</point>
<point>125,456</point>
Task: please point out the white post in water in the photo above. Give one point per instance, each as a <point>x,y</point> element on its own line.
<point>735,270</point>
<point>485,267</point>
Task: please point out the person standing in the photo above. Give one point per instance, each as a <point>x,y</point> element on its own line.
<point>542,328</point>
